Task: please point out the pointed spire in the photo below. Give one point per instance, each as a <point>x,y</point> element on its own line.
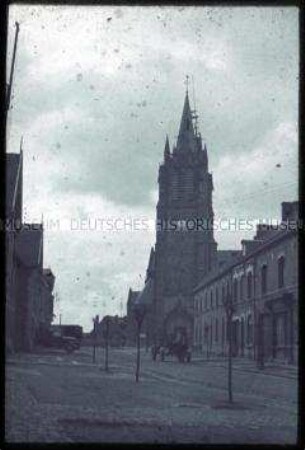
<point>186,137</point>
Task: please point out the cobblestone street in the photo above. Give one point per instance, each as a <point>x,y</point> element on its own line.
<point>55,397</point>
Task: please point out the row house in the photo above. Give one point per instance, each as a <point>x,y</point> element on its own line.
<point>261,287</point>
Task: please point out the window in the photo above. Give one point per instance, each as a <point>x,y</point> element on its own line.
<point>206,301</point>
<point>235,289</point>
<point>249,285</point>
<point>223,331</point>
<point>249,330</point>
<point>211,302</point>
<point>216,295</point>
<point>264,278</point>
<point>242,282</point>
<point>216,330</point>
<point>281,272</point>
<point>223,295</point>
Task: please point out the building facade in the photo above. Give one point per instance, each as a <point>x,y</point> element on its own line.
<point>262,287</point>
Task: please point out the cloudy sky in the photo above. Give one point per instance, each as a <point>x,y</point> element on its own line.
<point>95,91</point>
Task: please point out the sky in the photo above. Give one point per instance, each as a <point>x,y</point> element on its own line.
<point>96,89</point>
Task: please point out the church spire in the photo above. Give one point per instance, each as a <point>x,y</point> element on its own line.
<point>166,149</point>
<point>186,137</point>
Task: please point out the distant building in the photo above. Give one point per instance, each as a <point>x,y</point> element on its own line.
<point>117,331</point>
<point>263,285</point>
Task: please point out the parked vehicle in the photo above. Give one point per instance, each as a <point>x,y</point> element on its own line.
<point>67,337</point>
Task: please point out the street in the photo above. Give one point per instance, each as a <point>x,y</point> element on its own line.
<point>55,397</point>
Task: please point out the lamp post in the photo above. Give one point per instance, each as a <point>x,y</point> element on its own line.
<point>139,313</point>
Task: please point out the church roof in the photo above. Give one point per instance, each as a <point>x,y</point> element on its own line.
<point>146,295</point>
<point>186,138</point>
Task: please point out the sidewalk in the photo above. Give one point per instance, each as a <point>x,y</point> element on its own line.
<point>274,368</point>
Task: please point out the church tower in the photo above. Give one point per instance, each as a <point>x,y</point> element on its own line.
<point>185,247</point>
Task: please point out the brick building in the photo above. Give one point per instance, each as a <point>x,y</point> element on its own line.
<point>263,286</point>
<point>29,298</point>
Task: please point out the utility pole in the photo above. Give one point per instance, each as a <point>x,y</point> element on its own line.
<point>9,86</point>
<point>95,324</point>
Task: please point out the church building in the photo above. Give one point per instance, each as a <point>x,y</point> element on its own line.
<point>185,249</point>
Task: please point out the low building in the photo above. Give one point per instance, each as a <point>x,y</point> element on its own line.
<point>144,298</point>
<point>262,286</point>
<point>116,328</point>
<point>34,286</point>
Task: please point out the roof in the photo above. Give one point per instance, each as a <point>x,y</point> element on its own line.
<point>12,164</point>
<point>227,256</point>
<point>146,295</point>
<point>213,275</point>
<point>151,264</point>
<point>29,244</point>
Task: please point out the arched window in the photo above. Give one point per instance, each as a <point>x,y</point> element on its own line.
<point>281,272</point>
<point>249,285</point>
<point>264,273</point>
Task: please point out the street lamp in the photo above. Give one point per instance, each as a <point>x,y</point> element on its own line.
<point>139,311</point>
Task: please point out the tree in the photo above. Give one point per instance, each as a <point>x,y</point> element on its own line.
<point>229,308</point>
<point>139,313</point>
<point>106,337</point>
